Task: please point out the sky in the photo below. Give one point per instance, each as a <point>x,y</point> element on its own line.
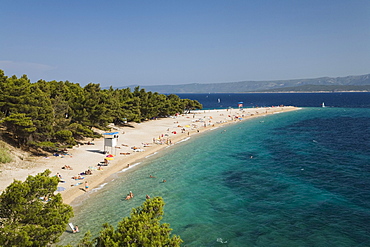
<point>120,43</point>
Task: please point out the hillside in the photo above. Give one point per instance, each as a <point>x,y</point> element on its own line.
<point>348,83</point>
<point>321,88</point>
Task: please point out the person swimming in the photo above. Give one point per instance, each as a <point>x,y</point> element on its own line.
<point>76,229</point>
<point>129,196</point>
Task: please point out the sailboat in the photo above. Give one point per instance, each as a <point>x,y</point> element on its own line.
<point>218,100</point>
<point>323,105</point>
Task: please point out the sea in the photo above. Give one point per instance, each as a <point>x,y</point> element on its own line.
<point>299,178</point>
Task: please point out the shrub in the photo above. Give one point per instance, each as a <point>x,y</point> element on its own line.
<point>5,156</point>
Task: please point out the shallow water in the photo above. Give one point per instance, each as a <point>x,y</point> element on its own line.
<point>291,179</point>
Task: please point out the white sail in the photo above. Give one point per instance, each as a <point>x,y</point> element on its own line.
<point>323,105</point>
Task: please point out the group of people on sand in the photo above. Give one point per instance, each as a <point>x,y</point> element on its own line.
<point>162,141</point>
<point>77,177</point>
<point>88,172</point>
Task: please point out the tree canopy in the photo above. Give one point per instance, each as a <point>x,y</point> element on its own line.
<point>31,214</point>
<point>62,112</point>
<point>142,228</point>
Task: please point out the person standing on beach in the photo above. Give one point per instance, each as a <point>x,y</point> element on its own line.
<point>86,186</point>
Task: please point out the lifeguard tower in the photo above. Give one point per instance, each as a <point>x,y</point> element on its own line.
<point>110,141</point>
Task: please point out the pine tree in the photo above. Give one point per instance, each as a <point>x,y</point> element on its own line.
<point>30,213</point>
<point>142,228</point>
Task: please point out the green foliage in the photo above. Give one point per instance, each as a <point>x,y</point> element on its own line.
<point>65,136</point>
<point>20,125</point>
<point>26,219</point>
<point>5,156</point>
<point>189,105</point>
<point>50,111</point>
<point>86,241</point>
<point>79,131</point>
<point>50,146</point>
<point>142,228</point>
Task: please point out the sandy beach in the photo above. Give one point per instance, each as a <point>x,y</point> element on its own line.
<point>135,142</point>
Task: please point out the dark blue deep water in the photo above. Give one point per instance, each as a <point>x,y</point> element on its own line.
<point>225,100</point>
<point>307,183</point>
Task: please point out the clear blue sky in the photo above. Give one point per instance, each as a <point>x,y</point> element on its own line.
<point>158,42</point>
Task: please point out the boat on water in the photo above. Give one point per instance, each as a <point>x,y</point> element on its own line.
<point>323,104</point>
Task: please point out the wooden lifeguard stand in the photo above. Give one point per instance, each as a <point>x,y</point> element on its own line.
<point>110,141</point>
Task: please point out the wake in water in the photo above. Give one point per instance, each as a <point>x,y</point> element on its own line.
<point>220,240</point>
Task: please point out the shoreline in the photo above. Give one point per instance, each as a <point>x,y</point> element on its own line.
<point>139,135</point>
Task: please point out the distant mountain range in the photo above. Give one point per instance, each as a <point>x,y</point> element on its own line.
<point>359,83</point>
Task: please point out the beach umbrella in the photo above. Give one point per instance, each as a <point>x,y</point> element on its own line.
<point>61,189</point>
<point>109,158</point>
<point>110,155</point>
<point>187,126</point>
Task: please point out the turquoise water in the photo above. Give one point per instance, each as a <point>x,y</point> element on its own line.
<point>292,179</point>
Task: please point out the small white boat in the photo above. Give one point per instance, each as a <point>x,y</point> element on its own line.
<point>71,226</point>
<point>323,105</point>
